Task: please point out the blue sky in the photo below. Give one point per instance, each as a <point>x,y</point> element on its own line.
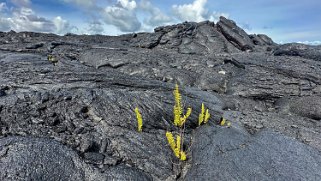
<point>283,20</point>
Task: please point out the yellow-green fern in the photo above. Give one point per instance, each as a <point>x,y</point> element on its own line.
<point>184,118</point>
<point>179,117</point>
<point>204,115</point>
<point>175,145</point>
<point>224,122</point>
<point>228,124</point>
<point>139,120</point>
<point>172,143</point>
<point>201,115</point>
<point>207,116</point>
<point>178,99</point>
<point>182,156</point>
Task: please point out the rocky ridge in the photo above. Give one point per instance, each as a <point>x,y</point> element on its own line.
<point>72,118</point>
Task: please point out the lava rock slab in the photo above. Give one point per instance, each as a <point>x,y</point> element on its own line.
<point>231,154</point>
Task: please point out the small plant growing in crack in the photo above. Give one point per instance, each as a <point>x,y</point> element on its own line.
<point>176,145</point>
<point>224,122</point>
<point>139,120</point>
<point>176,140</point>
<point>179,121</point>
<point>51,58</point>
<point>204,116</point>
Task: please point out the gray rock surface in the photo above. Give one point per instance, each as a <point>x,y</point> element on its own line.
<point>235,34</point>
<point>263,156</point>
<point>26,158</point>
<point>301,50</point>
<point>71,100</point>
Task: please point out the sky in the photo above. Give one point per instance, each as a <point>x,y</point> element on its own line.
<point>283,20</point>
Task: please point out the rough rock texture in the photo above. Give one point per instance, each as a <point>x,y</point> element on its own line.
<point>67,105</point>
<point>234,34</point>
<point>25,158</point>
<point>301,50</point>
<point>263,156</point>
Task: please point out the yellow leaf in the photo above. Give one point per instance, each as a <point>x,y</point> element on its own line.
<point>177,117</point>
<point>182,156</point>
<point>201,115</point>
<point>223,121</point>
<point>171,140</point>
<point>177,107</point>
<point>176,152</point>
<point>229,124</point>
<point>183,119</point>
<point>203,109</point>
<point>188,113</point>
<point>176,147</point>
<point>139,120</point>
<point>207,116</point>
<point>178,143</point>
<point>178,99</point>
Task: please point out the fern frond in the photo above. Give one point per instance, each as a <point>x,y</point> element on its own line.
<point>183,119</point>
<point>182,156</point>
<point>188,113</point>
<point>201,115</point>
<point>178,142</point>
<point>176,152</point>
<point>178,99</point>
<point>179,121</point>
<point>176,146</point>
<point>228,124</point>
<point>200,119</point>
<point>207,116</point>
<point>177,117</point>
<point>139,120</point>
<point>171,140</point>
<point>223,121</point>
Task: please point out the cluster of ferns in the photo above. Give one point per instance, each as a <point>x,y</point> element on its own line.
<point>175,140</point>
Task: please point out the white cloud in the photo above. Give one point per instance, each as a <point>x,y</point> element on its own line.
<point>311,42</point>
<point>191,12</point>
<point>215,16</point>
<point>61,26</point>
<point>25,19</point>
<point>95,28</point>
<point>122,15</point>
<point>157,17</point>
<point>195,12</point>
<point>130,5</point>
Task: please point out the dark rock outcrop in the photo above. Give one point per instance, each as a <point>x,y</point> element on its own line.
<point>262,40</point>
<point>194,38</point>
<point>73,118</point>
<point>203,38</point>
<point>234,34</point>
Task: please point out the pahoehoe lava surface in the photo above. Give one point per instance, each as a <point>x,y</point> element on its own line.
<point>72,118</point>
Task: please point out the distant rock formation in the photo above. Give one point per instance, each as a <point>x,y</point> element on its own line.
<point>204,38</point>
